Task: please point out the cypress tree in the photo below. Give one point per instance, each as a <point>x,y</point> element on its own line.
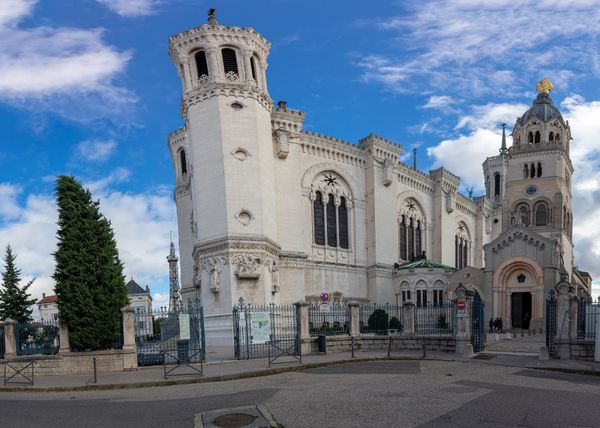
<point>15,302</point>
<point>89,274</point>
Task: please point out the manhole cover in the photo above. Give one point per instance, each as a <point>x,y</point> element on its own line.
<point>234,420</point>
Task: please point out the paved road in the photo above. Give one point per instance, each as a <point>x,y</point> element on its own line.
<point>378,394</point>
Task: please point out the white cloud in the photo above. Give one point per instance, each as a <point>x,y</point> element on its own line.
<point>9,208</point>
<point>131,8</point>
<point>141,223</point>
<point>438,102</point>
<point>96,150</point>
<point>477,47</point>
<point>491,115</point>
<point>48,67</point>
<point>119,175</point>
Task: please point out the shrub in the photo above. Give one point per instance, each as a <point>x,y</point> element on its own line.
<point>395,324</point>
<point>378,321</point>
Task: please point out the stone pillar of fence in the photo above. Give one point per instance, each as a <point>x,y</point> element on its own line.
<point>130,356</point>
<point>462,332</point>
<point>566,315</point>
<point>354,318</point>
<point>302,320</point>
<point>63,335</point>
<point>408,318</point>
<point>10,341</point>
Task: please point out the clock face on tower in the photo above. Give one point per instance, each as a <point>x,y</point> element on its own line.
<point>531,190</point>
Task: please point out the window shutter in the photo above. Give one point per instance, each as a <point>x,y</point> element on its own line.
<point>229,61</point>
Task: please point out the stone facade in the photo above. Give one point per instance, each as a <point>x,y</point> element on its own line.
<point>271,212</point>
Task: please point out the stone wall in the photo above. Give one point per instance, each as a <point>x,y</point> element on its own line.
<point>79,362</point>
<point>382,343</point>
<point>578,350</point>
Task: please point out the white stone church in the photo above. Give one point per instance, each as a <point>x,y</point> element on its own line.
<point>271,212</point>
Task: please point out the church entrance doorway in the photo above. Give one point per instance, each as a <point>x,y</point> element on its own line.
<point>520,310</point>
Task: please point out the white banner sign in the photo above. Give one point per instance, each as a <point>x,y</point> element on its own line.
<point>184,326</point>
<point>261,327</point>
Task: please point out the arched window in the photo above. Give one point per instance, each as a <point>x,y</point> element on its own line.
<point>253,68</point>
<point>523,212</point>
<point>331,222</point>
<point>526,171</point>
<point>537,137</point>
<point>532,170</point>
<point>497,184</point>
<point>557,137</point>
<point>403,239</point>
<point>229,61</point>
<point>541,214</point>
<point>418,249</point>
<point>201,64</point>
<point>465,255</point>
<point>343,223</point>
<point>410,240</point>
<point>530,138</point>
<point>551,136</point>
<point>487,186</point>
<point>183,162</point>
<point>319,219</point>
<point>539,169</point>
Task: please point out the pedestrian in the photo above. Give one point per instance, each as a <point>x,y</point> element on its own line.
<point>491,324</point>
<point>496,326</point>
<point>500,324</point>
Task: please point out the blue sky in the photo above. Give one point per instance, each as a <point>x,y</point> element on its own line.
<point>87,88</point>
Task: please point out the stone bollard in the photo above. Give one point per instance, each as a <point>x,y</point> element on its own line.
<point>354,319</point>
<point>302,326</point>
<point>129,347</point>
<point>63,335</point>
<point>462,333</point>
<point>10,341</point>
<point>408,318</point>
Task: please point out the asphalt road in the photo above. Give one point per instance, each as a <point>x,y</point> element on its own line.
<point>377,394</point>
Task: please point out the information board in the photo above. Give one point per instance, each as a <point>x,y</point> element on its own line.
<point>260,323</point>
<point>184,326</point>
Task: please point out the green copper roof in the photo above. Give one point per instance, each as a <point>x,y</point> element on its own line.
<point>423,263</point>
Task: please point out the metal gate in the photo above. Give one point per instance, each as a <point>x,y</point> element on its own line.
<point>163,333</point>
<point>477,323</point>
<point>551,312</point>
<point>258,331</point>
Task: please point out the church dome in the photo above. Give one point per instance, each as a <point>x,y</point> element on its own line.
<point>542,109</point>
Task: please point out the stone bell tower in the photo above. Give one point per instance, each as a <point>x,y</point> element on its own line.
<point>228,220</point>
<point>538,175</point>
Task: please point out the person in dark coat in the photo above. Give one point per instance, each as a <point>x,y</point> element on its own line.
<point>491,324</point>
<point>500,324</point>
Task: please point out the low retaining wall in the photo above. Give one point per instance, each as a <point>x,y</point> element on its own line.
<point>381,343</point>
<point>577,350</point>
<point>71,363</point>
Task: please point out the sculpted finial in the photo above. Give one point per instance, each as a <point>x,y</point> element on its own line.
<point>212,17</point>
<point>544,86</point>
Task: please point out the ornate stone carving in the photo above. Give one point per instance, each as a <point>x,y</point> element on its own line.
<point>247,265</point>
<point>273,266</point>
<point>193,226</point>
<point>214,266</point>
<point>244,216</point>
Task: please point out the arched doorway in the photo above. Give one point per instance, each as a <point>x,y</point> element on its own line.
<point>518,294</point>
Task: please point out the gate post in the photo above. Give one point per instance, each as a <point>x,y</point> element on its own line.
<point>63,335</point>
<point>354,319</point>
<point>566,316</point>
<point>408,318</point>
<point>462,333</point>
<point>130,357</point>
<point>10,341</point>
<point>303,332</point>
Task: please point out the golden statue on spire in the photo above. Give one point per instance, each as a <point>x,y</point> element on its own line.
<point>544,86</point>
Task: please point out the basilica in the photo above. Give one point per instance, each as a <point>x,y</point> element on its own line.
<point>271,212</point>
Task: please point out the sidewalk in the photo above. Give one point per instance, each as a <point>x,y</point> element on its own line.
<point>233,369</point>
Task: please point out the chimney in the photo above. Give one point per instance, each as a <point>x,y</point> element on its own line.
<point>282,105</point>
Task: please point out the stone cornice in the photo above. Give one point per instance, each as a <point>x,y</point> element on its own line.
<point>224,89</point>
<point>236,243</point>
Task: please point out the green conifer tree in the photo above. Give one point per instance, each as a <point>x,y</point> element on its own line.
<point>89,274</point>
<point>15,302</point>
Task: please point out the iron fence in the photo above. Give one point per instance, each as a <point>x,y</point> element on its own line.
<point>331,320</point>
<point>435,320</point>
<point>551,312</point>
<point>163,332</point>
<point>380,319</point>
<point>588,313</point>
<point>1,341</point>
<point>254,326</point>
<point>37,337</point>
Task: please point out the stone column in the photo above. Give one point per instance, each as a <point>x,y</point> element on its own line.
<point>354,321</point>
<point>187,75</point>
<point>212,64</point>
<point>10,341</point>
<point>247,66</point>
<point>408,318</point>
<point>63,334</point>
<point>566,316</point>
<point>462,333</point>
